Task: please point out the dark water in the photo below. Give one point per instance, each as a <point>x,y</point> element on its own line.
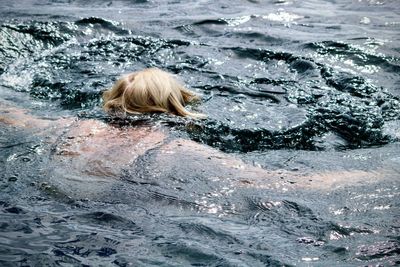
<point>304,86</point>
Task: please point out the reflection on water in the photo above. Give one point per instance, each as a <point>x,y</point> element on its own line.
<point>305,93</point>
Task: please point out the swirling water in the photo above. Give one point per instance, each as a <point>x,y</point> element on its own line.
<point>304,86</point>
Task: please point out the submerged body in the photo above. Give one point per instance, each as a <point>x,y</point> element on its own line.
<point>147,189</point>
<point>95,151</point>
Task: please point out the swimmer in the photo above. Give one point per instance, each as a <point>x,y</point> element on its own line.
<point>97,151</point>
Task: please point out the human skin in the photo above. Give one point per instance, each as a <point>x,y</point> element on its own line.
<point>97,152</point>
<point>243,174</point>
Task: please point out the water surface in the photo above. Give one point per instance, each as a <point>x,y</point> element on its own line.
<point>307,87</point>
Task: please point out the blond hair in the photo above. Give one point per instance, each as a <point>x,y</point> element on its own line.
<point>149,90</point>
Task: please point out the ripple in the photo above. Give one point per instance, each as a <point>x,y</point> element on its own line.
<point>277,94</point>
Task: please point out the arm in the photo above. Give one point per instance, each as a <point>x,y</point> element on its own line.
<point>214,164</point>
<point>88,146</point>
<point>11,115</point>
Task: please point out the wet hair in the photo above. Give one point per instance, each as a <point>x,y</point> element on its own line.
<point>149,90</point>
